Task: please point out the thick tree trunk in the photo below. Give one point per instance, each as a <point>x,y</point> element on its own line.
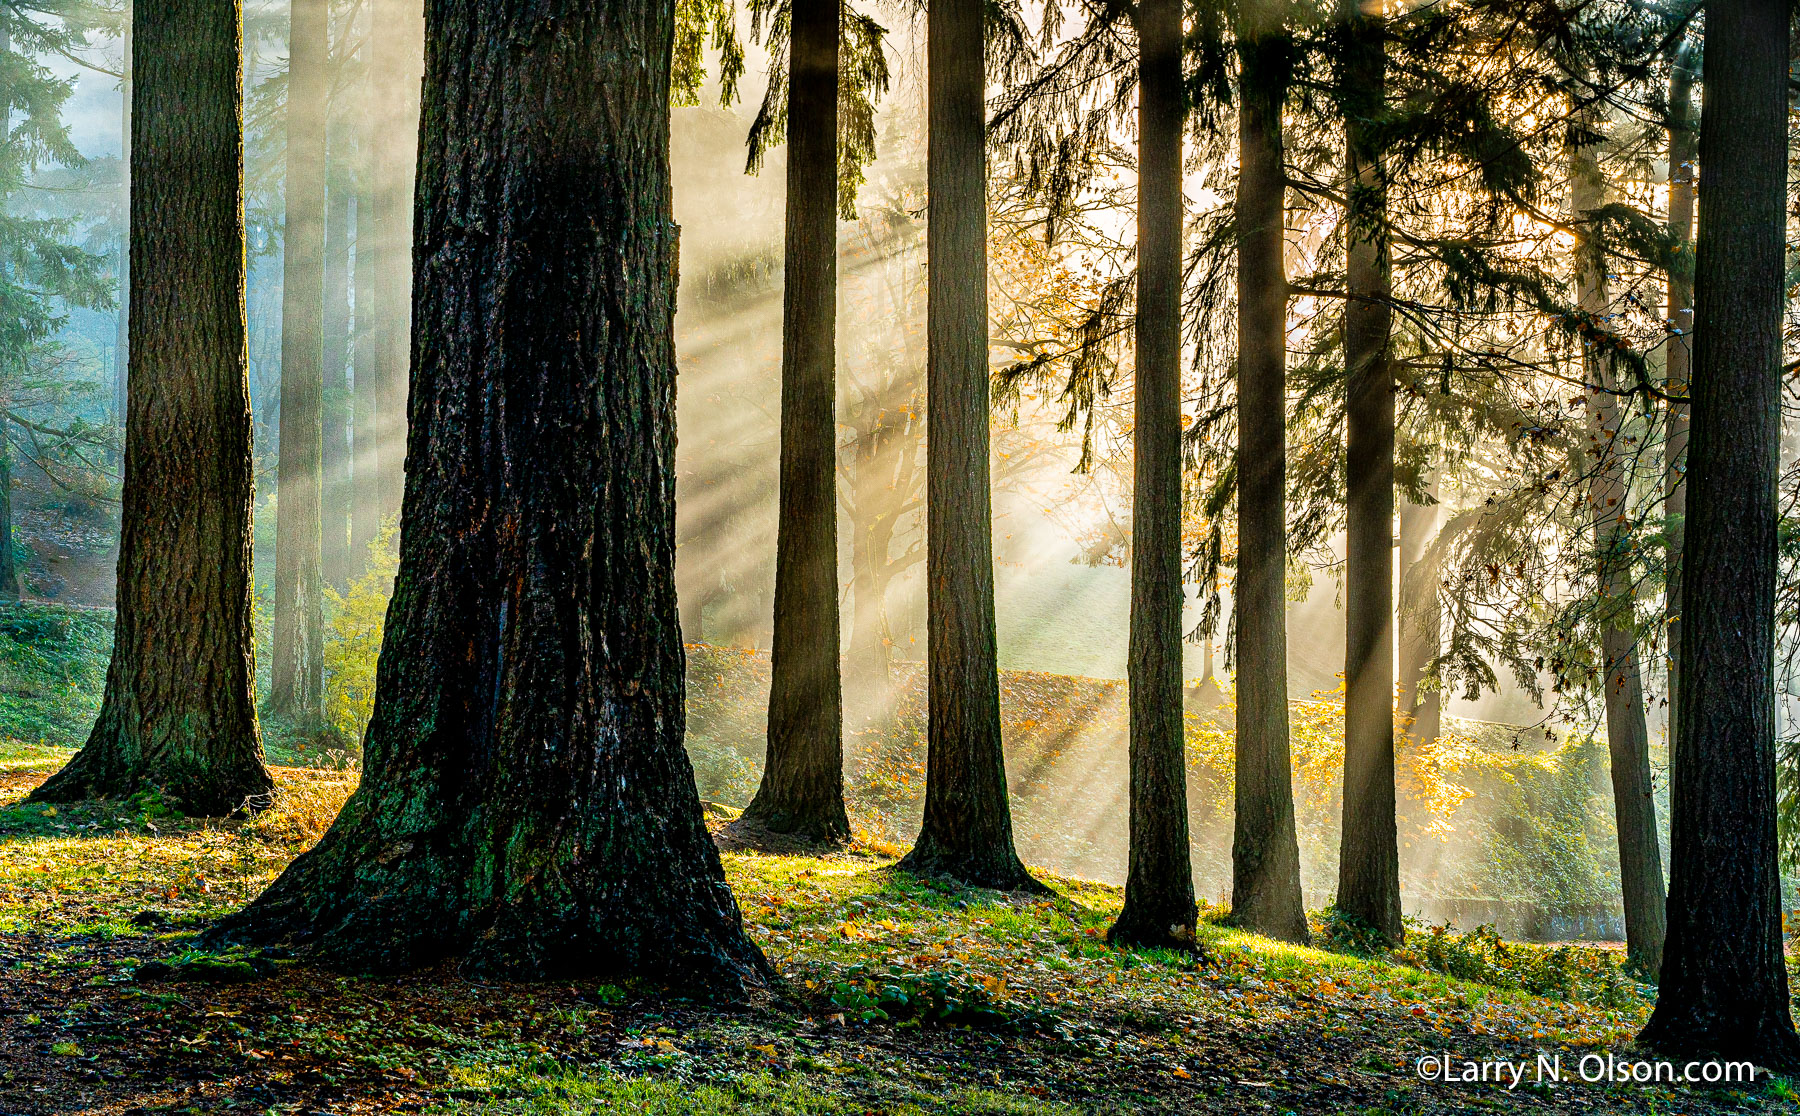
<point>1369,856</point>
<point>365,394</point>
<point>967,832</point>
<point>802,789</point>
<point>1420,617</point>
<point>1159,881</point>
<point>335,496</point>
<point>526,801</point>
<point>1678,354</point>
<point>1265,853</point>
<point>296,683</point>
<point>1627,736</point>
<point>178,714</point>
<point>1724,985</point>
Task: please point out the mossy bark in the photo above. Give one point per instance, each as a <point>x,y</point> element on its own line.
<point>526,801</point>
<point>1159,882</point>
<point>178,716</point>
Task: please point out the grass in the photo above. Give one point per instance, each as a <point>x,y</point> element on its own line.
<point>900,995</point>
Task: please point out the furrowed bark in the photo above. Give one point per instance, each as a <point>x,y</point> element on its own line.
<point>178,716</point>
<point>1724,986</point>
<point>526,801</point>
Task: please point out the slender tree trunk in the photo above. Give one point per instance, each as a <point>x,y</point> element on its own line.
<point>296,684</point>
<point>10,578</point>
<point>1369,856</point>
<point>967,832</point>
<point>335,497</point>
<point>122,342</point>
<point>802,789</point>
<point>1679,353</point>
<point>365,401</point>
<point>1627,736</point>
<point>179,715</point>
<point>526,800</point>
<point>1724,985</point>
<point>1159,881</point>
<point>1265,853</point>
<point>394,57</point>
<point>1420,617</point>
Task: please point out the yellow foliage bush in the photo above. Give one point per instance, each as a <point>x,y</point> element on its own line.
<point>353,636</point>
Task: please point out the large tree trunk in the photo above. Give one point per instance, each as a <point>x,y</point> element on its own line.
<point>1724,986</point>
<point>296,683</point>
<point>1678,354</point>
<point>1420,617</point>
<point>395,51</point>
<point>1159,881</point>
<point>178,714</point>
<point>967,832</point>
<point>335,496</point>
<point>802,789</point>
<point>526,800</point>
<point>1369,856</point>
<point>1627,736</point>
<point>1265,853</point>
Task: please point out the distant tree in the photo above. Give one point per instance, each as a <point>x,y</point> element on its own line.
<point>1679,349</point>
<point>1265,851</point>
<point>296,684</point>
<point>526,799</point>
<point>1369,856</point>
<point>178,715</point>
<point>1724,985</point>
<point>967,830</point>
<point>802,790</point>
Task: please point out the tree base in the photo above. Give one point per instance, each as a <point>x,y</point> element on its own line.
<point>1692,1031</point>
<point>1150,932</point>
<point>999,870</point>
<point>188,779</point>
<point>753,834</point>
<point>827,826</point>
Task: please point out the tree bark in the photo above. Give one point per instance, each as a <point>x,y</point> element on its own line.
<point>967,831</point>
<point>296,683</point>
<point>1678,355</point>
<point>122,322</point>
<point>1419,616</point>
<point>1159,881</point>
<point>335,496</point>
<point>1724,986</point>
<point>1265,853</point>
<point>1627,736</point>
<point>1369,855</point>
<point>179,715</point>
<point>526,801</point>
<point>802,789</point>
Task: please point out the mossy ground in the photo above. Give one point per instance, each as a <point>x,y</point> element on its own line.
<point>900,996</point>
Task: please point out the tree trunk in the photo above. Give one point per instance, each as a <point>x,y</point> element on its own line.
<point>1420,617</point>
<point>1265,853</point>
<point>395,51</point>
<point>1678,355</point>
<point>967,831</point>
<point>335,497</point>
<point>10,574</point>
<point>1627,737</point>
<point>1159,881</point>
<point>1724,986</point>
<point>802,789</point>
<point>365,393</point>
<point>179,715</point>
<point>1369,856</point>
<point>526,801</point>
<point>122,323</point>
<point>296,684</point>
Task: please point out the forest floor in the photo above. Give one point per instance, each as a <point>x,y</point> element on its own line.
<point>899,996</point>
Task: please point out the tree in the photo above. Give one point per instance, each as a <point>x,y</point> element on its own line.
<point>967,830</point>
<point>296,684</point>
<point>1420,616</point>
<point>802,789</point>
<point>1679,351</point>
<point>336,562</point>
<point>1159,883</point>
<point>1265,853</point>
<point>526,799</point>
<point>1369,860</point>
<point>178,715</point>
<point>1724,986</point>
